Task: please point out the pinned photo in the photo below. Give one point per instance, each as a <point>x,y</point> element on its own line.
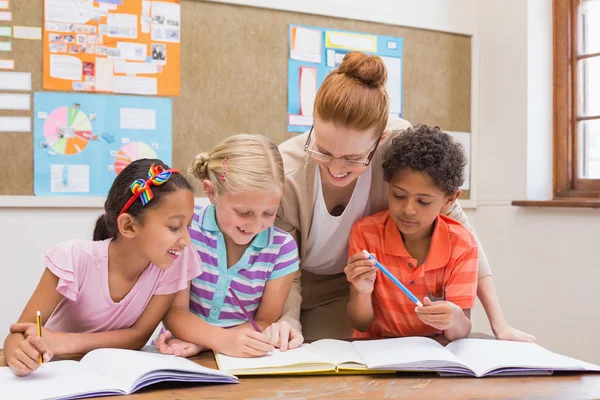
<point>74,49</point>
<point>54,48</point>
<point>69,38</point>
<point>89,50</point>
<point>159,52</point>
<point>55,38</point>
<point>112,52</point>
<point>172,35</point>
<point>78,86</point>
<point>88,69</point>
<point>158,19</point>
<point>81,39</point>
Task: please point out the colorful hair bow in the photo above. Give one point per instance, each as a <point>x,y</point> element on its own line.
<point>157,175</point>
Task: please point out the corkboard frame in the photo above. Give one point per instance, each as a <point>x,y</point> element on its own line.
<point>234,79</point>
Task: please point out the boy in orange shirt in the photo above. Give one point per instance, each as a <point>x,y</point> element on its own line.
<point>434,256</point>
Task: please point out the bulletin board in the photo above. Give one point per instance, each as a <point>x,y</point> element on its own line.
<point>234,73</point>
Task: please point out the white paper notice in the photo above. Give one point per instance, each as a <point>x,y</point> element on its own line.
<point>7,64</point>
<point>15,81</point>
<point>15,124</point>
<point>5,16</point>
<point>132,51</point>
<point>136,85</point>
<point>301,120</point>
<point>394,83</point>
<point>105,80</point>
<point>306,44</point>
<point>69,11</point>
<point>166,22</point>
<point>308,90</point>
<point>122,25</point>
<point>75,179</point>
<point>5,31</point>
<point>133,68</point>
<point>138,118</point>
<point>464,139</point>
<point>351,41</point>
<point>27,32</point>
<point>4,5</point>
<point>65,67</point>
<point>5,46</point>
<point>10,101</point>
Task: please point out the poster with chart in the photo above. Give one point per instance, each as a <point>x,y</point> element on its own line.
<point>314,52</point>
<point>82,141</point>
<point>112,46</point>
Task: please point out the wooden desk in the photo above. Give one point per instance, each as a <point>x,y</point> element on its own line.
<point>403,385</point>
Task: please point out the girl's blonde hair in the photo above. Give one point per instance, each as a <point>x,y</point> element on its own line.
<point>241,163</point>
<point>354,95</point>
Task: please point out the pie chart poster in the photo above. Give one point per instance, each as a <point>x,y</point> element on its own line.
<point>82,141</point>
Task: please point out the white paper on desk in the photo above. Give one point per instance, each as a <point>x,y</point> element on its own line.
<point>306,44</point>
<point>27,32</point>
<point>122,25</point>
<point>77,178</point>
<point>105,80</point>
<point>7,64</point>
<point>136,85</point>
<point>68,11</point>
<point>133,51</point>
<point>15,81</point>
<point>65,67</point>
<point>394,83</point>
<point>15,124</point>
<point>138,118</point>
<point>308,89</point>
<point>5,46</point>
<point>13,101</point>
<point>5,16</point>
<point>4,5</point>
<point>464,138</point>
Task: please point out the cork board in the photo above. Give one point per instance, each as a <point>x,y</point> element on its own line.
<point>234,78</point>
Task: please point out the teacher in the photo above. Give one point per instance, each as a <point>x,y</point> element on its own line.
<point>333,178</point>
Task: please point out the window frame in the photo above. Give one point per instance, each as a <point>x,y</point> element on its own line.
<point>566,181</point>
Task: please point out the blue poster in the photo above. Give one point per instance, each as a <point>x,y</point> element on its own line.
<point>82,141</point>
<point>314,52</point>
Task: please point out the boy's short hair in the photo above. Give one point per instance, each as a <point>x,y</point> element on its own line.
<point>427,149</point>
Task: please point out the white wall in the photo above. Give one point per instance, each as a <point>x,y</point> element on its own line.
<point>543,259</point>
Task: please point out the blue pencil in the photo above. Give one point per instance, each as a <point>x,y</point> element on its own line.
<point>387,273</point>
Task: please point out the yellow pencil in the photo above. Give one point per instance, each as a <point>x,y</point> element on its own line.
<point>38,320</point>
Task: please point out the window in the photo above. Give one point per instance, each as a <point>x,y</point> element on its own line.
<point>576,99</point>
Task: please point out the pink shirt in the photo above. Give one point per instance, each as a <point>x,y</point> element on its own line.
<point>82,269</point>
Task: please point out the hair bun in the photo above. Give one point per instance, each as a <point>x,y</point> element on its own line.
<point>199,168</point>
<point>366,68</point>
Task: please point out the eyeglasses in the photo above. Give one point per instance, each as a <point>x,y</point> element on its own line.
<point>325,158</point>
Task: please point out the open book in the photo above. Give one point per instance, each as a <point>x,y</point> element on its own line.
<point>104,372</point>
<point>475,357</point>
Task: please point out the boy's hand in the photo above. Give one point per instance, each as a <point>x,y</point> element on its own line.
<point>283,336</point>
<point>440,315</point>
<point>361,272</point>
<point>507,332</point>
<point>26,357</point>
<point>180,348</point>
<point>245,342</point>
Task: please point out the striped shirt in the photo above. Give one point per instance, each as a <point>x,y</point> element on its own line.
<point>273,253</point>
<point>448,273</point>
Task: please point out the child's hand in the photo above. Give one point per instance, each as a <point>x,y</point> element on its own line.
<point>507,332</point>
<point>440,315</point>
<point>26,357</point>
<point>283,336</point>
<point>57,342</point>
<point>173,346</point>
<point>361,272</point>
<point>245,342</point>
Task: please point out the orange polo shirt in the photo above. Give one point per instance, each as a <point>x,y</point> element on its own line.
<point>450,269</point>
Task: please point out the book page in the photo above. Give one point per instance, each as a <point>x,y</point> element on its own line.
<point>302,355</point>
<point>128,369</point>
<point>338,351</point>
<point>483,356</point>
<point>56,380</point>
<point>410,353</point>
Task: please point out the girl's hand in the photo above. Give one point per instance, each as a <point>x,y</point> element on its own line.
<point>440,315</point>
<point>361,272</point>
<point>245,342</point>
<point>507,332</point>
<point>180,348</point>
<point>283,336</point>
<point>56,342</point>
<point>26,357</point>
